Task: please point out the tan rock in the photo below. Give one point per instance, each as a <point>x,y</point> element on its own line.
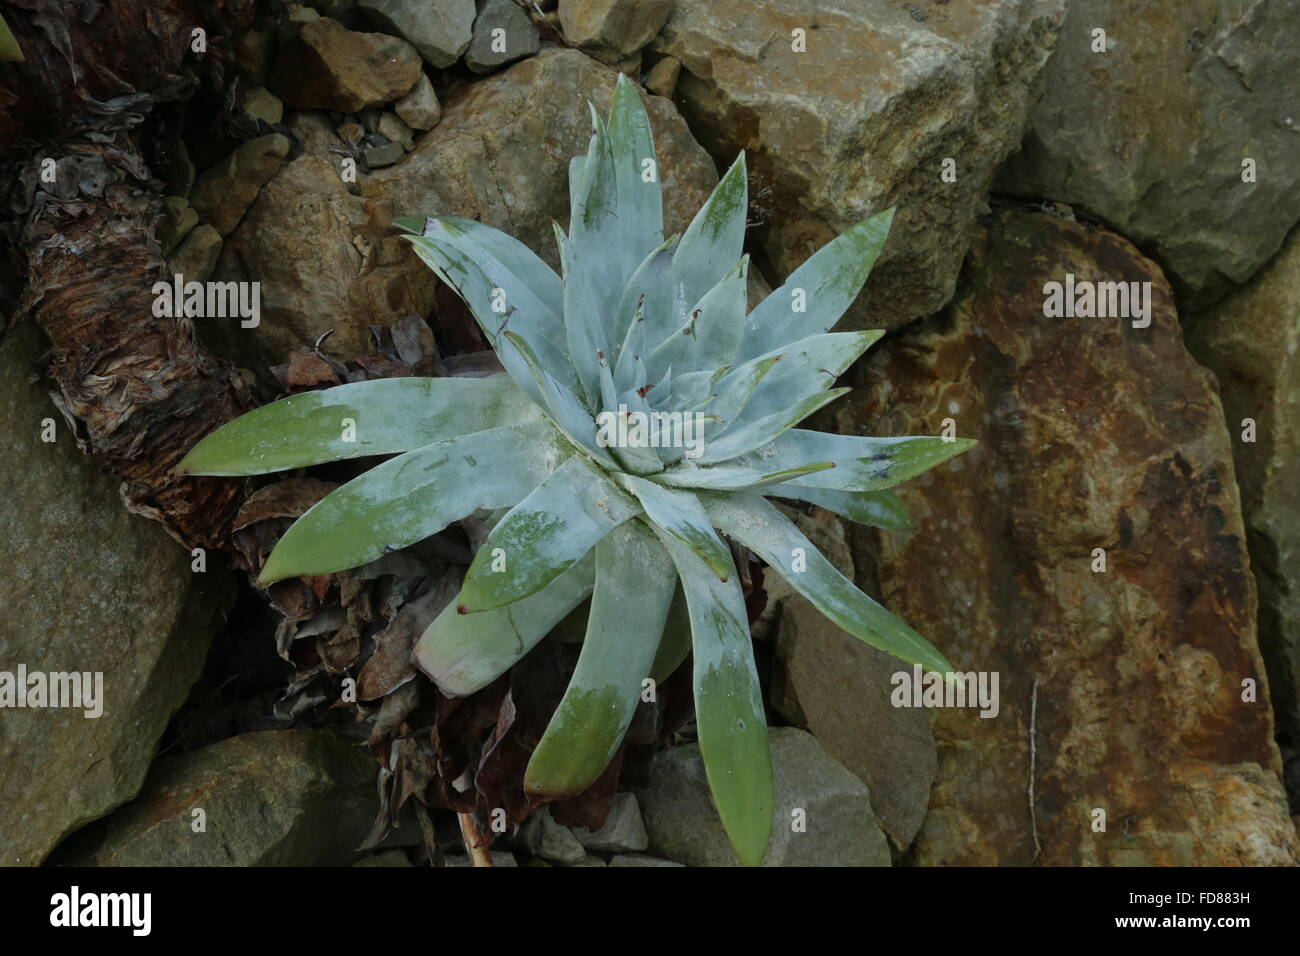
<point>326,66</point>
<point>222,194</point>
<point>612,29</point>
<point>196,257</point>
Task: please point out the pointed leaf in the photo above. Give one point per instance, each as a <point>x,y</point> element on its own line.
<point>729,477</point>
<point>758,525</point>
<point>825,285</point>
<point>878,509</point>
<point>752,435</point>
<point>680,514</point>
<point>728,704</point>
<point>415,495</point>
<point>547,532</point>
<point>381,417</point>
<point>636,174</point>
<point>861,463</point>
<point>803,369</point>
<point>622,638</point>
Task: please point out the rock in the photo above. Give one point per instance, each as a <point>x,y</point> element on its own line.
<point>838,688</point>
<point>197,255</point>
<point>264,105</point>
<point>253,54</point>
<point>549,840</point>
<point>351,133</point>
<point>1252,343</point>
<point>841,830</point>
<point>392,128</point>
<point>333,8</point>
<point>325,66</point>
<point>499,858</point>
<point>180,175</point>
<point>639,859</point>
<point>440,30</point>
<point>1121,689</point>
<point>385,155</point>
<point>612,29</point>
<point>419,108</point>
<point>531,119</point>
<point>592,861</point>
<point>316,134</point>
<point>326,259</point>
<point>662,78</point>
<point>503,33</point>
<point>269,798</point>
<point>1143,153</point>
<point>178,218</point>
<point>95,590</point>
<point>222,193</point>
<point>622,832</point>
<point>384,858</point>
<point>827,148</point>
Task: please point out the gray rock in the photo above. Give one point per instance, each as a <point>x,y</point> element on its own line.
<point>92,589</point>
<point>440,30</point>
<point>270,798</point>
<point>262,104</point>
<point>840,828</point>
<point>1150,136</point>
<point>499,858</point>
<point>325,66</point>
<point>612,29</point>
<point>326,259</point>
<point>532,118</point>
<point>503,33</point>
<point>222,194</point>
<point>197,255</point>
<point>862,121</point>
<point>392,127</point>
<point>419,108</point>
<point>1252,343</point>
<point>385,155</point>
<point>551,841</point>
<point>622,832</point>
<point>640,859</point>
<point>838,688</point>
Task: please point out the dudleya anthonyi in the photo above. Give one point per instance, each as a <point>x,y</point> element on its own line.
<point>642,411</point>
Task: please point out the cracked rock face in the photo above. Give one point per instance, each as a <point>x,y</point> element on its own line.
<point>1150,136</point>
<point>863,120</point>
<point>1094,435</point>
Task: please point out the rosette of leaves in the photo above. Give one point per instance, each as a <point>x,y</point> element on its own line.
<point>633,325</point>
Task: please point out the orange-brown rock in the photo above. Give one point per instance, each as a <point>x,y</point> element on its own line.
<point>1121,690</point>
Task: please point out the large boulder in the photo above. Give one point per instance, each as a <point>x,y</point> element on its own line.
<point>836,826</point>
<point>1151,135</point>
<point>501,152</point>
<point>270,798</point>
<point>1091,552</point>
<point>1252,343</point>
<point>864,119</point>
<point>91,589</point>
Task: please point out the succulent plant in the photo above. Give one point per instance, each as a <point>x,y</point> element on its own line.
<point>647,341</point>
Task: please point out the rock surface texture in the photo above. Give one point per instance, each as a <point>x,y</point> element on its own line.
<point>1252,344</point>
<point>95,590</point>
<point>325,66</point>
<point>1151,135</point>
<point>839,828</point>
<point>271,798</point>
<point>862,120</point>
<point>1120,690</point>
